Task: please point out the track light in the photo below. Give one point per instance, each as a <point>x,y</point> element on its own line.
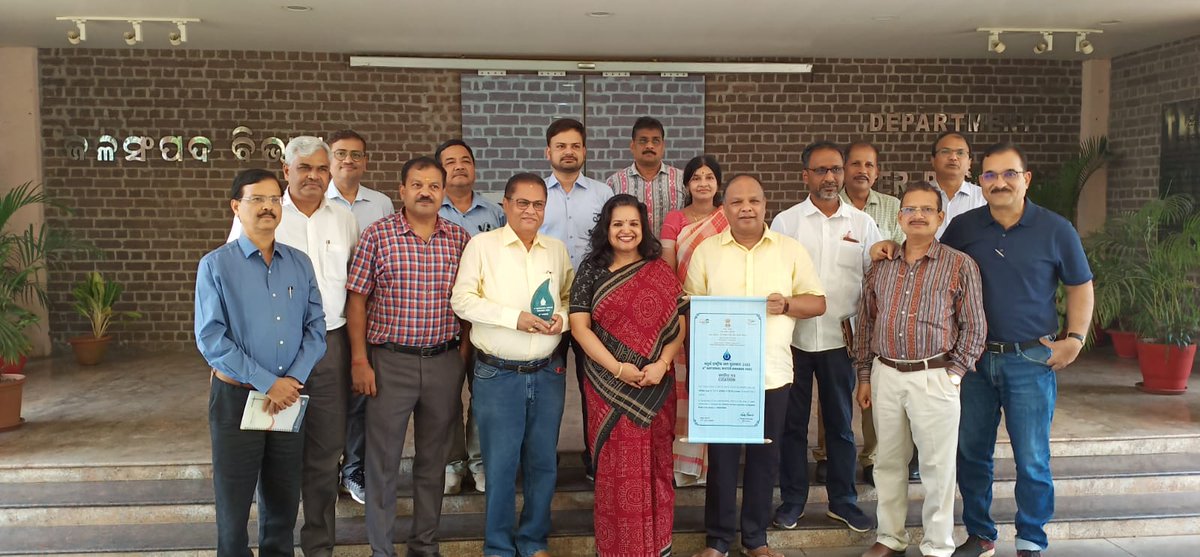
<point>994,44</point>
<point>135,36</point>
<point>1082,45</point>
<point>79,33</point>
<point>178,37</point>
<point>1046,44</point>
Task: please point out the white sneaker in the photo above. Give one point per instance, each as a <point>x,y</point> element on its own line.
<point>453,483</point>
<point>480,481</point>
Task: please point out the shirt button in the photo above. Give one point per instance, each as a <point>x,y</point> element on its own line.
<point>273,294</point>
<point>281,342</point>
<point>277,318</point>
<point>280,368</point>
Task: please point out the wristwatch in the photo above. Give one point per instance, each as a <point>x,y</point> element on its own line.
<point>955,378</point>
<point>1077,336</point>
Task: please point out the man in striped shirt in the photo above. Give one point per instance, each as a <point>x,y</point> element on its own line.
<point>653,182</point>
<point>921,328</point>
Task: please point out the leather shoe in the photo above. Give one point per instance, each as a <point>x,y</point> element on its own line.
<point>710,552</point>
<point>880,550</point>
<point>914,471</point>
<point>763,551</point>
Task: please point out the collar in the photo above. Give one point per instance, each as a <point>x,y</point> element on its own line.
<point>332,192</point>
<point>508,237</point>
<point>1028,216</point>
<point>248,248</point>
<point>552,182</point>
<point>476,201</point>
<point>934,252</point>
<point>633,171</point>
<point>286,201</point>
<point>872,197</point>
<point>808,209</point>
<point>726,238</point>
<point>403,227</point>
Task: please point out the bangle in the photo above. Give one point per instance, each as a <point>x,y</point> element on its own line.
<point>620,369</point>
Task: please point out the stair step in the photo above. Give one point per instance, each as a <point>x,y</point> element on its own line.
<point>1077,518</point>
<point>184,501</point>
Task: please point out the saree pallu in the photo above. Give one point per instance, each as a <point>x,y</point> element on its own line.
<point>635,314</point>
<point>691,460</point>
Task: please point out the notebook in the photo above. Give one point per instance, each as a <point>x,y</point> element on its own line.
<point>255,418</point>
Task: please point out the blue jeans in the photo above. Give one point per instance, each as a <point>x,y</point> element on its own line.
<point>519,415</point>
<point>835,377</point>
<point>1022,386</point>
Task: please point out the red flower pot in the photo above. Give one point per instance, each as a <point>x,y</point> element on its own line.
<point>1124,343</point>
<point>1165,367</point>
<point>16,367</point>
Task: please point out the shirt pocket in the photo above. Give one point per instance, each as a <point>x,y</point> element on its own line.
<point>336,262</point>
<point>850,254</point>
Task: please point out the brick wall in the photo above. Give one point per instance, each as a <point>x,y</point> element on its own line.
<point>1141,83</point>
<point>761,123</point>
<point>155,219</point>
<point>614,103</point>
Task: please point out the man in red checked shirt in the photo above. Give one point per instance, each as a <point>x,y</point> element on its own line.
<point>921,328</point>
<point>403,348</point>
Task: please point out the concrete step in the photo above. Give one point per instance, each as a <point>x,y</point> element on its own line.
<point>1078,517</point>
<point>100,472</point>
<point>188,501</point>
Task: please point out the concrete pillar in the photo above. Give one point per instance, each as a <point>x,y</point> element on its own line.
<point>1093,121</point>
<point>21,144</point>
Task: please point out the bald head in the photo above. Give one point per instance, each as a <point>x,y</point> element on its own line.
<point>745,207</point>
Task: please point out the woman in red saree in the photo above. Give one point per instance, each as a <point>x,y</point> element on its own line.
<point>682,231</point>
<point>625,313</point>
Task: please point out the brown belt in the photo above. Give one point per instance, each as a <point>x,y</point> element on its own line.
<point>227,379</point>
<point>931,363</point>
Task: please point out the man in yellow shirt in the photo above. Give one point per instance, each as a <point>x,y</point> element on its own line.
<point>513,285</point>
<point>747,259</point>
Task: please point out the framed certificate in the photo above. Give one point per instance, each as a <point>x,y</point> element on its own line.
<point>726,362</point>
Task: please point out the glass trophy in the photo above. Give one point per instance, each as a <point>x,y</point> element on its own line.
<point>542,304</point>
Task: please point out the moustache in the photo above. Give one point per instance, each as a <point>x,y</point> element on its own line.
<point>266,214</point>
<point>648,152</point>
<point>424,199</point>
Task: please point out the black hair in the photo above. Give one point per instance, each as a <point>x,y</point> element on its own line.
<point>647,123</point>
<point>346,134</point>
<point>695,165</point>
<point>1004,147</point>
<point>853,144</point>
<point>523,178</point>
<point>600,252</point>
<point>418,164</point>
<point>564,125</point>
<point>819,146</point>
<point>923,186</point>
<point>949,133</point>
<point>437,154</point>
<point>252,176</point>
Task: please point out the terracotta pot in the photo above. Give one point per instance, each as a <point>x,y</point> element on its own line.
<point>11,386</point>
<point>1165,367</point>
<point>1124,343</point>
<point>16,367</point>
<point>89,351</point>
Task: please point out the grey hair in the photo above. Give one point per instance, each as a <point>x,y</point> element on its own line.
<point>303,146</point>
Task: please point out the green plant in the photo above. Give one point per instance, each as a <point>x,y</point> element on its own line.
<point>1062,194</point>
<point>24,255</point>
<point>94,299</point>
<point>1147,266</point>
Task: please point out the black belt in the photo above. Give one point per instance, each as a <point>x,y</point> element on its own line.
<point>422,351</point>
<point>512,365</point>
<point>919,365</point>
<point>1006,347</point>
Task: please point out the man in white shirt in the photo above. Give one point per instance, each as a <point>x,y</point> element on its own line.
<point>327,233</point>
<point>838,238</point>
<point>951,160</point>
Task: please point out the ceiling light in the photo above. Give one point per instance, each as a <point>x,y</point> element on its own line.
<point>884,18</point>
<point>1110,22</point>
<point>1046,44</point>
<point>178,37</point>
<point>994,44</point>
<point>1083,45</point>
<point>79,33</point>
<point>135,36</point>
<point>297,8</point>
<point>600,14</point>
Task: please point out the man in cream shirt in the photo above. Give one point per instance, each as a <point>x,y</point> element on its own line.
<point>747,259</point>
<point>327,233</point>
<point>520,383</point>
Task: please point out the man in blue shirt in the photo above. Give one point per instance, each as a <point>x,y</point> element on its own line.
<point>260,325</point>
<point>1024,252</point>
<point>475,213</point>
<point>573,201</point>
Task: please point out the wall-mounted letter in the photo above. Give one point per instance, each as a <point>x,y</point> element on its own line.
<point>199,147</point>
<point>106,148</point>
<point>171,147</point>
<point>242,147</point>
<point>77,147</point>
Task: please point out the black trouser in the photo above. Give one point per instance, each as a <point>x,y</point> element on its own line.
<point>836,378</point>
<point>328,388</point>
<point>758,482</point>
<point>580,357</point>
<point>243,459</point>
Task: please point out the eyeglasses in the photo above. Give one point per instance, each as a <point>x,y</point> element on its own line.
<point>523,204</point>
<point>946,151</point>
<point>1009,176</point>
<point>355,156</point>
<point>643,141</point>
<point>912,211</point>
<point>262,199</point>
<point>823,170</point>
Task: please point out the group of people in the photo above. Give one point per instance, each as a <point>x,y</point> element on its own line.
<point>387,313</point>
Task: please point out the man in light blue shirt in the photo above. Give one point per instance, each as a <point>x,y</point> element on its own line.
<point>573,201</point>
<point>951,160</point>
<point>260,325</point>
<point>463,205</point>
<point>349,164</point>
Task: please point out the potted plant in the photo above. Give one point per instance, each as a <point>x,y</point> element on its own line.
<point>24,255</point>
<point>94,299</point>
